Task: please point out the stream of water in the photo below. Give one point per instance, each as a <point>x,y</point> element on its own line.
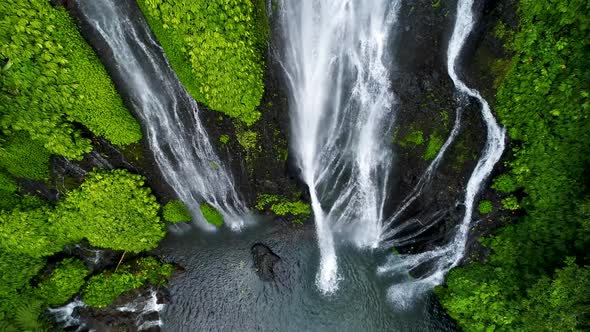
<point>169,116</point>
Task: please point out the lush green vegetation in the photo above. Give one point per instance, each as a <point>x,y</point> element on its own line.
<point>111,209</point>
<point>215,47</point>
<point>485,207</point>
<point>435,142</point>
<point>211,215</point>
<point>281,206</point>
<point>176,211</point>
<point>104,288</point>
<point>414,138</point>
<point>51,79</point>
<point>537,277</point>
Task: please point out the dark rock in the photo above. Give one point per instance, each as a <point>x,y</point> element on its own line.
<point>264,261</point>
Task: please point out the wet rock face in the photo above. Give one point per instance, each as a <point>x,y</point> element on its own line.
<point>264,261</point>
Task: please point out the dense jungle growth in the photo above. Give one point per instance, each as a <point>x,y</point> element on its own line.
<point>537,276</point>
<point>216,49</point>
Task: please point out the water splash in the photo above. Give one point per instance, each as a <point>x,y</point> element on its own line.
<point>176,136</point>
<point>336,61</point>
<point>442,259</point>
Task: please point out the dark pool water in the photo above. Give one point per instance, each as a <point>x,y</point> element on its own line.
<point>220,291</point>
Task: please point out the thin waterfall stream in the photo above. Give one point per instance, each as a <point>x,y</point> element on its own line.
<point>444,258</point>
<point>169,115</point>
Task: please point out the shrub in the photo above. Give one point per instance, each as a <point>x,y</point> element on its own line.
<point>485,207</point>
<point>211,215</point>
<point>112,209</point>
<point>510,203</point>
<point>281,206</point>
<point>65,281</point>
<point>176,211</point>
<point>415,137</point>
<point>215,48</point>
<point>101,290</point>
<point>224,139</point>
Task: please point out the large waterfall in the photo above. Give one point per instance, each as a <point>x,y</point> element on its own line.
<point>337,65</point>
<point>167,113</point>
<point>336,60</point>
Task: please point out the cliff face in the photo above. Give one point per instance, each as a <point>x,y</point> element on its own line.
<point>426,107</point>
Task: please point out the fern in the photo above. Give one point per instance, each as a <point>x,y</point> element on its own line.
<point>28,317</point>
<point>7,327</point>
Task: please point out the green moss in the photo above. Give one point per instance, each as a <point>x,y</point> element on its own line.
<point>215,48</point>
<point>248,140</point>
<point>415,138</point>
<point>101,290</point>
<point>224,139</point>
<point>176,211</point>
<point>24,158</point>
<point>485,207</point>
<point>211,215</point>
<point>435,142</point>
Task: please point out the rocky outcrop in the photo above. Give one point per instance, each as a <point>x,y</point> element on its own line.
<point>264,261</point>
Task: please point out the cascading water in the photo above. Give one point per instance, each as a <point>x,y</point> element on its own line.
<point>448,256</point>
<point>336,63</point>
<point>168,114</point>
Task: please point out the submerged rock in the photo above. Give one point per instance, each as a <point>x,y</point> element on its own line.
<point>264,261</point>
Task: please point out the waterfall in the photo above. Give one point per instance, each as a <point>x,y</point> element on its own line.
<point>444,258</point>
<point>168,114</point>
<point>336,62</point>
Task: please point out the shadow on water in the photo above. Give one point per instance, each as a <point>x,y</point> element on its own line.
<point>221,291</point>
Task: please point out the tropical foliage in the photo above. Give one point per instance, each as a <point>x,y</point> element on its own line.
<point>211,215</point>
<point>215,47</point>
<point>111,209</point>
<point>537,276</point>
<point>281,206</point>
<point>51,80</point>
<point>104,288</point>
<point>176,211</point>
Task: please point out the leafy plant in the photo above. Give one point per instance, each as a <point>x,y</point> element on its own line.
<point>176,211</point>
<point>101,290</point>
<point>485,207</point>
<point>65,281</point>
<point>111,209</point>
<point>211,215</point>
